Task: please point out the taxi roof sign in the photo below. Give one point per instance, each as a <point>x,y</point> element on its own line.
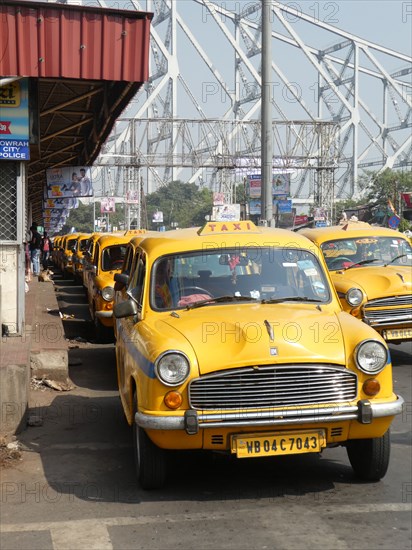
<point>212,228</point>
<point>131,232</point>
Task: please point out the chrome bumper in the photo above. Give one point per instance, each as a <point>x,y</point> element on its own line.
<point>364,412</point>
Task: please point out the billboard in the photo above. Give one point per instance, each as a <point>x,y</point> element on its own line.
<point>69,182</point>
<point>108,205</point>
<point>227,212</point>
<point>280,184</point>
<point>60,203</point>
<point>14,121</point>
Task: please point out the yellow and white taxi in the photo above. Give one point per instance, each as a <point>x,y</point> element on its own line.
<point>371,268</point>
<point>233,339</point>
<point>109,254</point>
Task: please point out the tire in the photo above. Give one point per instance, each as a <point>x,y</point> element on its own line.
<point>369,458</point>
<point>150,461</point>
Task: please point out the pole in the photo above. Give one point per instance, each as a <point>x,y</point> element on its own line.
<point>266,119</point>
<point>94,215</point>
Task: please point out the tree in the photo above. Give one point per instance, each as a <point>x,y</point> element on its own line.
<point>183,204</point>
<point>379,187</point>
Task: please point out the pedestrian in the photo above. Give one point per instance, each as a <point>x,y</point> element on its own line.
<point>27,259</point>
<point>35,249</point>
<point>46,249</point>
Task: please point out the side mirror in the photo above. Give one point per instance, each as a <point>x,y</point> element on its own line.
<point>122,279</point>
<point>125,309</point>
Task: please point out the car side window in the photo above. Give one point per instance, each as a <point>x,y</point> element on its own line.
<point>128,260</point>
<point>137,281</point>
<point>96,255</point>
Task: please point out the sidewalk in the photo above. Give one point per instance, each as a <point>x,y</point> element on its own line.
<point>41,350</point>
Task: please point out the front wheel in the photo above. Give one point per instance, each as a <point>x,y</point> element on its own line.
<point>369,458</point>
<point>150,461</point>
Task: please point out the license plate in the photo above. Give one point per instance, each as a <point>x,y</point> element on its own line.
<point>398,334</point>
<point>281,443</point>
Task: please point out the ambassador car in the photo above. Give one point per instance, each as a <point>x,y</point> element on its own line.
<point>108,256</point>
<point>233,339</point>
<point>371,268</point>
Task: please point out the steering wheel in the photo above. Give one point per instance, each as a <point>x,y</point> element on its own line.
<point>341,259</point>
<point>187,290</point>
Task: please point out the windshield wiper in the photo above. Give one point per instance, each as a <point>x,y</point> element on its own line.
<point>228,298</point>
<point>363,262</point>
<point>396,258</point>
<point>291,299</point>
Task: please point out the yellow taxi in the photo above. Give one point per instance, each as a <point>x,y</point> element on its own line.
<point>122,279</point>
<point>371,268</point>
<point>66,254</point>
<point>233,340</point>
<point>108,256</point>
<point>78,254</point>
<point>56,249</point>
<point>88,257</point>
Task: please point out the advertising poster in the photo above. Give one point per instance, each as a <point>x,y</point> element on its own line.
<point>69,182</point>
<point>280,185</point>
<point>158,216</point>
<point>55,213</point>
<point>14,121</point>
<point>61,203</point>
<point>107,206</point>
<point>218,199</point>
<point>227,212</point>
<point>132,197</point>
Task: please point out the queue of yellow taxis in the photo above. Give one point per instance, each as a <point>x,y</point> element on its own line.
<point>371,268</point>
<point>108,256</point>
<point>233,339</point>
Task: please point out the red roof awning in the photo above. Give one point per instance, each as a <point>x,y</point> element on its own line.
<point>66,41</point>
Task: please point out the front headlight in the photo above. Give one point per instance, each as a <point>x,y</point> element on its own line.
<point>371,356</point>
<point>172,368</point>
<point>108,293</point>
<point>354,296</point>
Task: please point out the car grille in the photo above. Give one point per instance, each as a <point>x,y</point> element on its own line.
<point>273,386</point>
<point>399,312</point>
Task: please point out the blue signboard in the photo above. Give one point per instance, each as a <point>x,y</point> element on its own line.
<point>14,121</point>
<point>394,221</point>
<point>285,206</point>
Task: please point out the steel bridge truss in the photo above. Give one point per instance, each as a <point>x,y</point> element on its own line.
<point>198,116</point>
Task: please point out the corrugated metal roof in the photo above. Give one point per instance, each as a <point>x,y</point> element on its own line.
<point>65,41</point>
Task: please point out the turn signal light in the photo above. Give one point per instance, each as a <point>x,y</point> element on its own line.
<point>355,311</point>
<point>371,387</point>
<point>173,399</point>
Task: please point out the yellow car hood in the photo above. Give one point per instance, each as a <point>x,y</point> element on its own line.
<point>231,336</point>
<point>376,282</point>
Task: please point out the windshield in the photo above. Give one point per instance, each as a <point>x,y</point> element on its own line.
<point>367,251</point>
<point>231,275</point>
